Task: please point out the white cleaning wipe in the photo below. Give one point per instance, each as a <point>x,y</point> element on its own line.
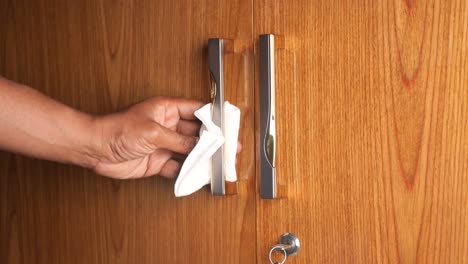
<point>196,170</point>
<point>231,134</point>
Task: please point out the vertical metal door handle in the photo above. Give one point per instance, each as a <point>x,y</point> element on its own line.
<point>215,64</point>
<point>267,117</point>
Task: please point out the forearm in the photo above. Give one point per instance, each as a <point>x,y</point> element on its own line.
<point>37,126</point>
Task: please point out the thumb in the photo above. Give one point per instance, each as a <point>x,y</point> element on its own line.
<point>163,137</point>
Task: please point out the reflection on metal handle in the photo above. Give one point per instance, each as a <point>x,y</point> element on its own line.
<point>267,117</point>
<point>215,64</point>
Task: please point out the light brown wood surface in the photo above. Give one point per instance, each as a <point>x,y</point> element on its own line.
<point>378,172</point>
<point>101,56</point>
<point>372,131</point>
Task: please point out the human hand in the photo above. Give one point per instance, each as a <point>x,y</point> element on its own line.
<point>149,138</point>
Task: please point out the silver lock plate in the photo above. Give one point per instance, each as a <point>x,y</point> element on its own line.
<point>288,246</point>
<point>290,239</point>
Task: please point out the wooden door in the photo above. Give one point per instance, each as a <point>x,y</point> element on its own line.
<point>100,56</point>
<point>372,100</point>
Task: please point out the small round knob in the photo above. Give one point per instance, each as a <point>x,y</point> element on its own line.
<point>288,245</point>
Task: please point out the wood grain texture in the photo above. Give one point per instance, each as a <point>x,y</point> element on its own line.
<point>382,131</point>
<point>101,56</point>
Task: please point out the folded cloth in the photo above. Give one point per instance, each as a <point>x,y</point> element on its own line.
<point>196,170</point>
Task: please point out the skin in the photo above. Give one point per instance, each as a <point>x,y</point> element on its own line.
<point>149,138</point>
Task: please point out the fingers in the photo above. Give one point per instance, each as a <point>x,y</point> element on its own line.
<point>189,128</point>
<point>183,108</point>
<point>172,166</point>
<point>170,169</point>
<point>186,107</point>
<point>161,163</point>
<point>163,137</point>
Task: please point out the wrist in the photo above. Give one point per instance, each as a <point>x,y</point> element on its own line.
<point>88,146</point>
<point>98,147</point>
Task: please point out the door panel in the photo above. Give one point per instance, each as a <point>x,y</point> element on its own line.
<point>380,174</point>
<point>101,56</point>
